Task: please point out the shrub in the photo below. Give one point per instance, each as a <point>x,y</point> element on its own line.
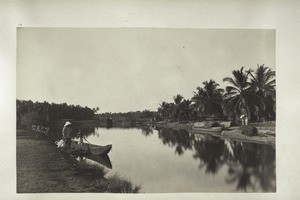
<point>117,184</point>
<point>215,124</point>
<point>249,130</point>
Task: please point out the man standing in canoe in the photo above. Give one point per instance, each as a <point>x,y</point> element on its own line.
<point>66,134</point>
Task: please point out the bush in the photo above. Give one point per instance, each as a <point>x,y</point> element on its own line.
<point>117,184</point>
<point>249,130</point>
<point>215,124</point>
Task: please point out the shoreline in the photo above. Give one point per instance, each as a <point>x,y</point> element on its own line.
<point>266,132</point>
<point>51,170</point>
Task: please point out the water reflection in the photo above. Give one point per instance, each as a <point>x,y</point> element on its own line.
<point>211,153</point>
<point>251,167</point>
<point>181,139</point>
<point>244,166</point>
<point>147,130</point>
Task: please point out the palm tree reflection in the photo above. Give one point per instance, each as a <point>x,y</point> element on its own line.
<point>180,139</point>
<point>147,130</point>
<point>210,151</point>
<point>250,166</point>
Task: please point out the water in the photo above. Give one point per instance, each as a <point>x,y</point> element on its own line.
<point>166,160</point>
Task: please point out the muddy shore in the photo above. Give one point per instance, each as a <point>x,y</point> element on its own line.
<point>42,168</point>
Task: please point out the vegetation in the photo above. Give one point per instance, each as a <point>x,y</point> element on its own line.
<point>249,130</point>
<point>251,93</point>
<point>97,180</point>
<point>46,112</point>
<point>263,84</point>
<point>130,118</point>
<point>208,100</point>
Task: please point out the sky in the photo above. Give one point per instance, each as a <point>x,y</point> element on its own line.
<point>130,69</point>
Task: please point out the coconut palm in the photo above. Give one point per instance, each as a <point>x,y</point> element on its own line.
<point>185,109</point>
<point>240,98</point>
<point>177,100</point>
<point>166,110</point>
<point>208,100</point>
<point>263,82</point>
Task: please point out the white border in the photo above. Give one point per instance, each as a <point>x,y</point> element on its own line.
<point>280,15</point>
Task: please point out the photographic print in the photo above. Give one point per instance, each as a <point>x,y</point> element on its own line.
<point>145,110</point>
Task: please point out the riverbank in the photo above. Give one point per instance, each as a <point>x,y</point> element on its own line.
<point>266,132</point>
<point>42,168</point>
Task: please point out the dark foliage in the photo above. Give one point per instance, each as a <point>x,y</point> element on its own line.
<point>249,130</point>
<point>51,112</point>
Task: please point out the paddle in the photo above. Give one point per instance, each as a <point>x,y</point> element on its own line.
<point>88,145</point>
<point>87,141</point>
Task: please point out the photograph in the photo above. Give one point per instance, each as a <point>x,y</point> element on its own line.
<point>145,110</point>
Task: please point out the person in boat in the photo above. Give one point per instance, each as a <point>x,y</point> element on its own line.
<point>81,136</point>
<point>66,134</point>
<point>242,117</point>
<point>246,120</point>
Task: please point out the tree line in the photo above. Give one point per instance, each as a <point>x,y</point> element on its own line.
<point>249,92</point>
<point>51,112</point>
<point>128,116</point>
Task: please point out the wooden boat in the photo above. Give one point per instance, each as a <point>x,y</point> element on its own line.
<point>208,130</point>
<point>87,162</point>
<point>215,130</point>
<point>203,127</point>
<point>101,159</point>
<point>94,149</point>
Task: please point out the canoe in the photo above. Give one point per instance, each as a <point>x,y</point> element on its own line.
<point>94,149</point>
<point>208,130</point>
<point>101,159</point>
<point>87,162</point>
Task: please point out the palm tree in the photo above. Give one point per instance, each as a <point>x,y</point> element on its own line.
<point>208,100</point>
<point>240,98</point>
<point>263,82</point>
<point>177,100</point>
<point>185,109</point>
<point>166,110</point>
<point>95,110</point>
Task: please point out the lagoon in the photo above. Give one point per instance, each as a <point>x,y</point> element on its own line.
<point>168,161</point>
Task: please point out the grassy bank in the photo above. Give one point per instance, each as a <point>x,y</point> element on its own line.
<point>42,168</point>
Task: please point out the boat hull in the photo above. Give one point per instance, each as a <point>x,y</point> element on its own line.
<point>215,130</point>
<point>101,159</point>
<point>94,149</point>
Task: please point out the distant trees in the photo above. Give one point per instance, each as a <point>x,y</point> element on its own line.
<point>133,116</point>
<point>96,110</point>
<point>50,112</point>
<point>249,92</point>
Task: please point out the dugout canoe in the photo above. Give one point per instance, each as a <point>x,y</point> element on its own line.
<point>216,130</point>
<point>94,149</point>
<point>101,159</point>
